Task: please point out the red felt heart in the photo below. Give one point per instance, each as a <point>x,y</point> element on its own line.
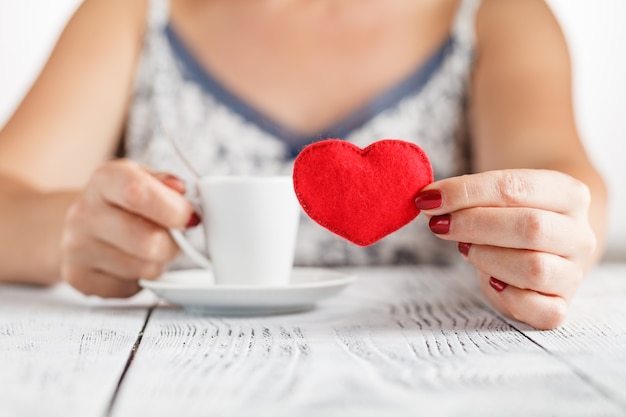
<point>361,194</point>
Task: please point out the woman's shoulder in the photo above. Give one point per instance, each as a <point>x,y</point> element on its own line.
<point>113,14</point>
<point>87,78</point>
<point>521,35</point>
<point>500,21</point>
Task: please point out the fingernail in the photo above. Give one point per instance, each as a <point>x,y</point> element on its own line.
<point>428,200</point>
<point>497,285</point>
<point>440,225</point>
<point>194,220</point>
<point>464,248</point>
<point>174,183</point>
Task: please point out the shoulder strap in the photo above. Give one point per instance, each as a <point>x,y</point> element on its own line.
<point>464,28</point>
<point>158,14</point>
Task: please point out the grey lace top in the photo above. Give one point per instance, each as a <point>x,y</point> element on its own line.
<point>221,134</point>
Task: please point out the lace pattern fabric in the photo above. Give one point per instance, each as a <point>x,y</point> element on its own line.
<point>218,140</point>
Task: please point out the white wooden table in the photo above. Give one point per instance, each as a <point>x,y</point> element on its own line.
<point>398,342</point>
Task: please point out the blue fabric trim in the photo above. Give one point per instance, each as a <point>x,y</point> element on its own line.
<point>193,71</point>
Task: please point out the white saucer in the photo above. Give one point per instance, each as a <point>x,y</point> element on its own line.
<point>194,289</point>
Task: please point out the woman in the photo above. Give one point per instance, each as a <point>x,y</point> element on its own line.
<point>483,87</point>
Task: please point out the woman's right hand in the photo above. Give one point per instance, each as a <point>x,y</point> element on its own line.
<point>115,232</point>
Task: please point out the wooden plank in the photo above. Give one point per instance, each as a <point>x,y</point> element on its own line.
<point>62,354</point>
<point>404,342</point>
<point>593,340</point>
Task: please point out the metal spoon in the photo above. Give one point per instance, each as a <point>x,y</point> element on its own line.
<point>179,151</point>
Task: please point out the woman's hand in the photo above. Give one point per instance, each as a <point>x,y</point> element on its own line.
<point>526,232</point>
<point>116,230</point>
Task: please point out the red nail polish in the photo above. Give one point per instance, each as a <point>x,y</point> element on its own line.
<point>440,225</point>
<point>194,220</point>
<point>497,285</point>
<point>464,248</point>
<point>175,184</point>
<point>428,200</point>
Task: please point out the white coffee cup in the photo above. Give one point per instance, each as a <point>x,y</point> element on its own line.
<point>250,226</point>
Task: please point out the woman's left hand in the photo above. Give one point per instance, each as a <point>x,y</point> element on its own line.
<point>525,231</point>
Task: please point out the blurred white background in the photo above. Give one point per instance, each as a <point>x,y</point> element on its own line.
<point>595,30</point>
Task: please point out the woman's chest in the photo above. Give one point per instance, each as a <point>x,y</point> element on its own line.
<point>308,64</point>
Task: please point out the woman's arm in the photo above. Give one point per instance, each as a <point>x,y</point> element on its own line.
<point>67,125</point>
<point>30,230</point>
<point>522,107</point>
<point>530,219</point>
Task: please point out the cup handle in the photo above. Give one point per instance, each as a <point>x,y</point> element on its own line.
<point>198,258</point>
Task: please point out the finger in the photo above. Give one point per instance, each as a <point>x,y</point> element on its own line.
<point>136,236</point>
<point>519,228</point>
<point>92,282</point>
<point>130,187</point>
<point>107,259</point>
<point>505,188</point>
<point>531,270</point>
<point>543,312</point>
<point>171,181</point>
<point>129,233</point>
